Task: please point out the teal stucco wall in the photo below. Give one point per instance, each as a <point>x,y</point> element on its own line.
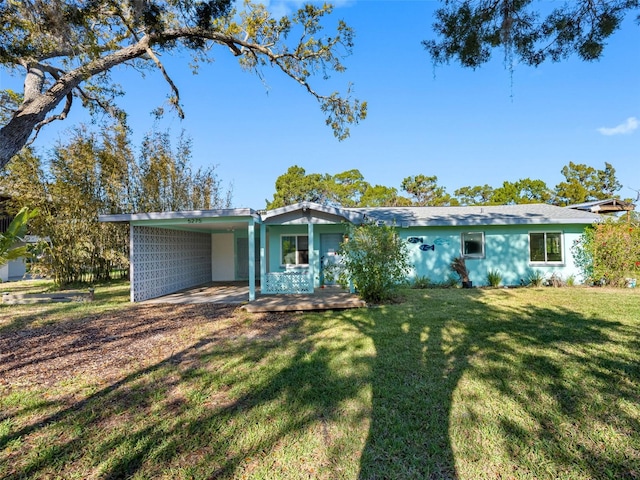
<point>274,233</point>
<point>506,249</point>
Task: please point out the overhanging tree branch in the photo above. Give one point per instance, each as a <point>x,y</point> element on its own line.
<point>257,40</point>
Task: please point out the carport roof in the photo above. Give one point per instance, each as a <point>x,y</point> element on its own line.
<point>218,220</point>
<point>216,213</point>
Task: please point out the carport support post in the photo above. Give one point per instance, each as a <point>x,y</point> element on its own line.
<point>312,260</point>
<point>263,255</point>
<point>252,260</point>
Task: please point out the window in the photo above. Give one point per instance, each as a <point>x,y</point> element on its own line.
<point>473,244</point>
<point>294,250</point>
<point>545,247</point>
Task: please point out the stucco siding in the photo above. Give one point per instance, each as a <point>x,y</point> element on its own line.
<point>506,249</point>
<point>164,261</point>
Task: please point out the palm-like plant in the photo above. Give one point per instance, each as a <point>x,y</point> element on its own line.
<point>459,266</point>
<point>14,234</point>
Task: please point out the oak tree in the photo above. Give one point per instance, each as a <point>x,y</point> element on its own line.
<point>66,51</point>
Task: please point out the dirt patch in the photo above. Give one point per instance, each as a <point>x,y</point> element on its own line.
<point>111,345</point>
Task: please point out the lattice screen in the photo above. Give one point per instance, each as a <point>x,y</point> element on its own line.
<point>287,282</point>
<point>165,261</point>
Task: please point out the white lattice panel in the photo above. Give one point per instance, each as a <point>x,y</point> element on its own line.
<point>288,282</point>
<point>165,261</point>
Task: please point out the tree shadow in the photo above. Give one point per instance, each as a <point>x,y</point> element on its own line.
<point>193,415</point>
<point>426,410</point>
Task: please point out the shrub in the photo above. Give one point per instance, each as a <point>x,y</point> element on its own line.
<point>377,261</point>
<point>494,278</point>
<point>535,278</point>
<point>609,253</point>
<point>422,282</point>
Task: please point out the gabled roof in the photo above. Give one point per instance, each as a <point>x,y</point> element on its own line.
<point>292,213</point>
<point>535,214</point>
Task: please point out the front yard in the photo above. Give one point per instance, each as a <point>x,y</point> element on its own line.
<point>466,384</point>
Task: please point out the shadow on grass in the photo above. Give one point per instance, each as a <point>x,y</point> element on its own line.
<point>447,385</point>
<point>455,383</point>
<point>199,414</point>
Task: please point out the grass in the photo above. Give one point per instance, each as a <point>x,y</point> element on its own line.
<point>463,384</point>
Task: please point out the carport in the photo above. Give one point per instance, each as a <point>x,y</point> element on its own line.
<point>173,251</point>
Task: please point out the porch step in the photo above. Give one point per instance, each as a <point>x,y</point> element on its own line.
<point>294,303</point>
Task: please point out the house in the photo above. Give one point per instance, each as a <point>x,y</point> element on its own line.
<point>284,249</point>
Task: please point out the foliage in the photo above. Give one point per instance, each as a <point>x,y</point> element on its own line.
<point>296,186</point>
<point>68,50</point>
<point>476,195</point>
<point>584,184</point>
<point>345,189</point>
<point>95,174</point>
<point>459,266</point>
<point>9,250</point>
<point>521,192</point>
<point>425,191</point>
<point>469,30</point>
<point>422,282</point>
<point>494,278</point>
<point>609,253</point>
<point>377,261</point>
<point>535,278</point>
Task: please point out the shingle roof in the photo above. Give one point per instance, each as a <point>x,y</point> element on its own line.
<point>486,215</point>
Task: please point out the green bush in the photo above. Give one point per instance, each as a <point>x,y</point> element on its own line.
<point>422,282</point>
<point>494,278</point>
<point>376,259</point>
<point>535,278</point>
<point>609,253</point>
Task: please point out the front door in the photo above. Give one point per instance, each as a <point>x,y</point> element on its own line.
<point>329,258</point>
<point>242,259</point>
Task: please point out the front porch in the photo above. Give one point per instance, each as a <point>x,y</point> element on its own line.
<point>237,293</point>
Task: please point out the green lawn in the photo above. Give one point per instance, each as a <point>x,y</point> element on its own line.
<point>463,384</point>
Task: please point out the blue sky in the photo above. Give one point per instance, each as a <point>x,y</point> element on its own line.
<point>466,127</point>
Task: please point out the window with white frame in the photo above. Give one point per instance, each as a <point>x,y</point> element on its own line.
<point>472,244</point>
<point>294,250</point>
<point>545,247</point>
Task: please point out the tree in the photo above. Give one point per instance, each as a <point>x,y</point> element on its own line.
<point>469,30</point>
<point>296,186</point>
<point>9,240</point>
<point>381,196</point>
<point>165,181</point>
<point>478,195</point>
<point>584,184</point>
<point>94,174</point>
<point>375,258</point>
<point>347,188</point>
<point>426,191</point>
<point>520,192</point>
<point>66,49</point>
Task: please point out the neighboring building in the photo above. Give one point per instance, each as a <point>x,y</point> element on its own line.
<point>15,269</point>
<point>284,248</point>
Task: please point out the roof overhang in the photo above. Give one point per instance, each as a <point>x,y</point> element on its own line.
<point>206,221</point>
